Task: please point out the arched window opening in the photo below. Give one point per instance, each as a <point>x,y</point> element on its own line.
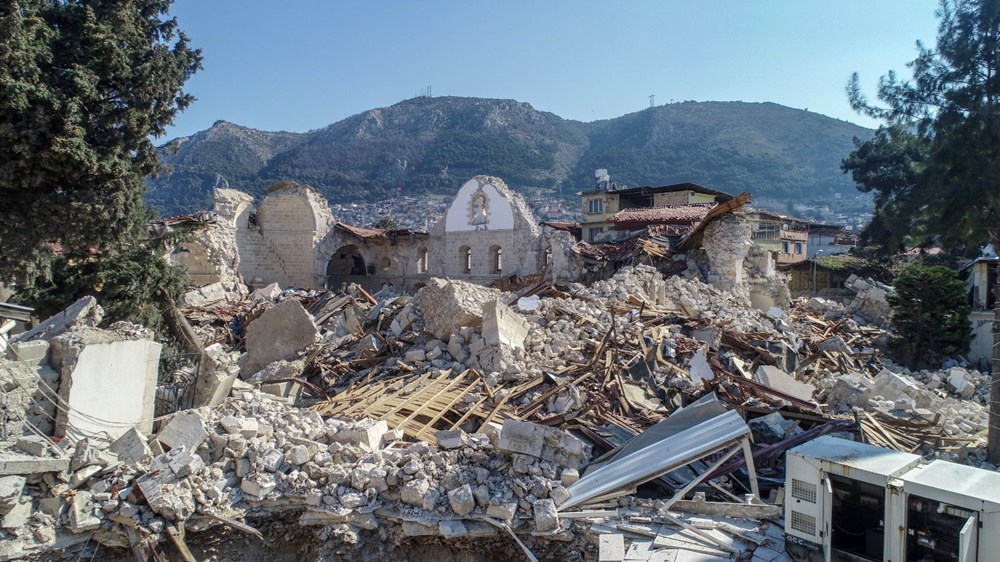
<point>496,259</point>
<point>465,256</point>
<point>422,260</point>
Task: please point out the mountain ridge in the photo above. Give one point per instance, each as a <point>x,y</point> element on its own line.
<point>429,146</point>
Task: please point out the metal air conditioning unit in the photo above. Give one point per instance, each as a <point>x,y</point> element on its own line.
<point>847,501</point>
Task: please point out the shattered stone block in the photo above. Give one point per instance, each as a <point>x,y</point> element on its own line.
<point>291,321</point>
<point>461,499</point>
<point>449,305</point>
<point>546,518</point>
<point>366,433</point>
<point>186,429</point>
<point>258,485</point>
<point>413,492</point>
<point>131,447</point>
<point>891,386</point>
<point>80,518</point>
<point>10,491</point>
<point>501,325</point>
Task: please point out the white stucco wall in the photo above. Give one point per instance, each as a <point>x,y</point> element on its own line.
<point>110,389</point>
<point>499,214</point>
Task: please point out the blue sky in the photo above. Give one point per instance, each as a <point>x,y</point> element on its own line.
<point>298,65</point>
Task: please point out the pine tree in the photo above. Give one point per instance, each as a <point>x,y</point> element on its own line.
<point>84,86</point>
<point>950,110</point>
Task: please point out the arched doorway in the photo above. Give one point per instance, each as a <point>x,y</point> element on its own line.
<point>346,261</point>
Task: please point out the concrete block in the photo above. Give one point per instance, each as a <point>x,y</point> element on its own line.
<point>502,325</point>
<point>450,439</point>
<point>461,500</point>
<point>782,381</point>
<point>521,437</point>
<point>366,433</point>
<point>31,352</point>
<point>502,510</point>
<point>289,319</point>
<point>108,382</point>
<point>547,443</point>
<point>131,447</point>
<point>33,445</point>
<point>258,485</point>
<point>185,429</point>
<point>546,518</point>
<point>452,528</point>
<point>414,355</point>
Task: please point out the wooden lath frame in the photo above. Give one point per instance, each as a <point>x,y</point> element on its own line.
<point>421,406</point>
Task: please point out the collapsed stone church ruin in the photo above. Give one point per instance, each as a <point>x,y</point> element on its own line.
<point>292,238</point>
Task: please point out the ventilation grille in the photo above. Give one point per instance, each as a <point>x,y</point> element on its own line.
<point>804,523</point>
<point>803,491</point>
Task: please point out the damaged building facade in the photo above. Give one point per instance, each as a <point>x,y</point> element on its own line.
<point>292,238</point>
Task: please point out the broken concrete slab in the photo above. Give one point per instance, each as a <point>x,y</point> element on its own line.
<point>781,381</point>
<point>84,312</point>
<point>288,318</point>
<point>108,381</point>
<point>12,463</point>
<point>611,548</point>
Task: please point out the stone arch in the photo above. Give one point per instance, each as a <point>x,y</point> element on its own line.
<point>346,262</point>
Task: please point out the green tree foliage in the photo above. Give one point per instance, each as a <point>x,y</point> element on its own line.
<point>935,165</point>
<point>85,85</point>
<point>385,222</point>
<point>937,170</point>
<point>930,315</point>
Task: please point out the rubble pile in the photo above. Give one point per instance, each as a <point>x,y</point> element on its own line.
<point>371,421</point>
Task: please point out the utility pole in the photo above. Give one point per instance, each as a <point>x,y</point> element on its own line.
<point>652,102</point>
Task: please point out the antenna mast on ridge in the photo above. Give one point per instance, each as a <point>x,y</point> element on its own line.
<point>652,103</point>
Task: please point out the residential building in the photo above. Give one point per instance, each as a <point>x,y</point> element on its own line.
<point>787,237</point>
<point>609,199</point>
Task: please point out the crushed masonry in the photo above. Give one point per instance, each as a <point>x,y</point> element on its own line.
<point>539,419</point>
